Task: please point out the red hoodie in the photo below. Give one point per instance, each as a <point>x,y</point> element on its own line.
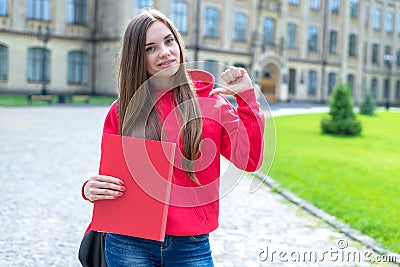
<point>235,134</point>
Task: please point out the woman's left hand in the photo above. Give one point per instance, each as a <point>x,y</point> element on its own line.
<point>237,80</point>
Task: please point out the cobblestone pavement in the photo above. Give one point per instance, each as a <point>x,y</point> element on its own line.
<point>47,152</point>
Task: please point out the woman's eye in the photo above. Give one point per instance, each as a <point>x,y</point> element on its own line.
<point>149,49</point>
<point>169,40</point>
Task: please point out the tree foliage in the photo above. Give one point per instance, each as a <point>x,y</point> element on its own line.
<point>367,106</point>
<point>342,119</point>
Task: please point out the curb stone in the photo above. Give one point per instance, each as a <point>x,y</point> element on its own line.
<point>331,220</point>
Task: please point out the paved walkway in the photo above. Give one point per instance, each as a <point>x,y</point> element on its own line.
<point>47,152</point>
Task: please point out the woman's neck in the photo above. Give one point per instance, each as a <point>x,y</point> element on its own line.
<point>161,83</point>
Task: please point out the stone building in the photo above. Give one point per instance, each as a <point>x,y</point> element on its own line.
<point>295,50</point>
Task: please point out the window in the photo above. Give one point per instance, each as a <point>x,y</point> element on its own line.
<point>398,90</point>
<point>38,65</point>
<point>376,18</point>
<point>3,7</point>
<point>239,27</point>
<point>312,82</point>
<point>77,67</point>
<point>333,42</point>
<point>294,2</point>
<point>354,8</point>
<point>398,57</point>
<point>331,82</point>
<point>350,81</point>
<point>143,5</point>
<point>386,89</point>
<point>375,53</point>
<point>3,63</point>
<point>365,52</point>
<point>374,88</point>
<point>211,22</point>
<point>212,67</point>
<point>268,31</point>
<point>398,24</point>
<point>389,21</point>
<point>179,15</point>
<point>292,81</point>
<point>39,10</point>
<point>334,6</point>
<point>291,35</point>
<point>315,4</point>
<point>388,52</point>
<point>312,38</point>
<point>352,45</point>
<point>77,12</point>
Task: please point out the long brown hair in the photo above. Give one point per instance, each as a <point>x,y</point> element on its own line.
<point>139,118</point>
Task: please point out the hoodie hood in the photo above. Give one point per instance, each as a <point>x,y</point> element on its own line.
<point>203,81</point>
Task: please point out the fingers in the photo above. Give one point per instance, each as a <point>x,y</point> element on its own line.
<point>237,80</point>
<point>232,74</point>
<point>101,187</point>
<point>222,90</point>
<point>105,178</point>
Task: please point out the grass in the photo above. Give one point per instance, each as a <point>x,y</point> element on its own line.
<point>21,100</point>
<point>355,179</point>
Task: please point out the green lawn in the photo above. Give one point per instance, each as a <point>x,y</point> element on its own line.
<point>21,100</point>
<point>356,179</point>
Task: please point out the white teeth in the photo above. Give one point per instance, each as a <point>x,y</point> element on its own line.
<point>166,63</point>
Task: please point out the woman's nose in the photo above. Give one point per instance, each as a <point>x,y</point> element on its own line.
<point>164,51</point>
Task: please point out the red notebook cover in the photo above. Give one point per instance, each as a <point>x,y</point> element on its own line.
<point>145,166</point>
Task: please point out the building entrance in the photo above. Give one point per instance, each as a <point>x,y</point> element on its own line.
<point>268,82</point>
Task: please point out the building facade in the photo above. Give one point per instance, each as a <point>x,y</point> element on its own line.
<point>295,50</point>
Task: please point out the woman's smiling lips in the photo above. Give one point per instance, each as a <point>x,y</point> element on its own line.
<point>167,63</point>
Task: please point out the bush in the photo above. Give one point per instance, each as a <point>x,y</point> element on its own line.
<point>342,120</point>
<point>367,106</point>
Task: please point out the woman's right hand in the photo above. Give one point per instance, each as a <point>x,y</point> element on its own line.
<point>100,187</point>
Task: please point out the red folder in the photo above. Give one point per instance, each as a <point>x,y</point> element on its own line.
<point>145,166</point>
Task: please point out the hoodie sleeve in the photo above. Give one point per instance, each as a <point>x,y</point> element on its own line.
<point>111,123</point>
<point>242,138</point>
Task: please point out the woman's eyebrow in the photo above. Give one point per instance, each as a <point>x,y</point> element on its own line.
<point>167,36</point>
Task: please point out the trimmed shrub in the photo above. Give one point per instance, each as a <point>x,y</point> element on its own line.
<point>342,120</point>
<point>367,106</point>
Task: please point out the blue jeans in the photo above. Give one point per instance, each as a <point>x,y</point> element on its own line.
<point>185,251</point>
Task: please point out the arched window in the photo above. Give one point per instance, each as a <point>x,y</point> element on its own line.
<point>3,63</point>
<point>211,22</point>
<point>77,12</point>
<point>374,88</point>
<point>331,82</point>
<point>268,31</point>
<point>77,67</point>
<point>352,45</point>
<point>179,15</point>
<point>3,7</point>
<point>39,10</point>
<point>312,82</point>
<point>239,27</point>
<point>38,65</point>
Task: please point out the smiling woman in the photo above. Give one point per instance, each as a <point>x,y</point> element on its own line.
<point>162,50</point>
<point>159,99</point>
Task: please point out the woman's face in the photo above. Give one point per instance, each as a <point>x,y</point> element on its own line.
<point>162,50</point>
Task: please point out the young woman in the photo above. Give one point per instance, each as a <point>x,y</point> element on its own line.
<point>160,99</point>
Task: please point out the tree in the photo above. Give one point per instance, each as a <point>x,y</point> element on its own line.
<point>342,120</point>
<point>367,106</point>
